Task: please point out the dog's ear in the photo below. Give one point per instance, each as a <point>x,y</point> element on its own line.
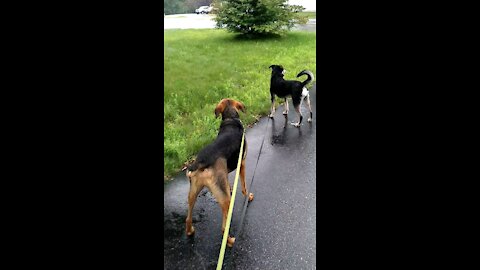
<point>271,66</point>
<point>220,107</point>
<point>239,105</point>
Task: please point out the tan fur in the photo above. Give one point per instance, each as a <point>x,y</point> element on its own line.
<point>228,102</point>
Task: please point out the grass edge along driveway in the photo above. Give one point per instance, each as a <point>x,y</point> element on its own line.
<point>203,66</point>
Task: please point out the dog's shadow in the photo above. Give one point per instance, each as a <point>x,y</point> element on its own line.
<point>281,137</point>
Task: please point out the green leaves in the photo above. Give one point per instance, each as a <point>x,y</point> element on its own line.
<point>255,18</point>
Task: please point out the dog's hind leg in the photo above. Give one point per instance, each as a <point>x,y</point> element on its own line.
<point>220,189</point>
<point>285,112</point>
<point>195,186</point>
<point>297,104</point>
<point>309,108</point>
<point>221,192</point>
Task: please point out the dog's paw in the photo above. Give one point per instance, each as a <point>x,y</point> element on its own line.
<point>270,115</point>
<point>295,124</point>
<point>285,112</point>
<point>250,197</point>
<point>230,241</point>
<point>191,232</point>
<point>309,120</point>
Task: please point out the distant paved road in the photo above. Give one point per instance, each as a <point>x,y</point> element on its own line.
<point>189,21</point>
<point>202,21</point>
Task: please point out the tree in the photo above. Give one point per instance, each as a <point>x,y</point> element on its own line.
<point>172,6</point>
<point>253,18</point>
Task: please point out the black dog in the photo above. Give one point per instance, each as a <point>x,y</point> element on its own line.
<point>216,160</point>
<point>295,89</point>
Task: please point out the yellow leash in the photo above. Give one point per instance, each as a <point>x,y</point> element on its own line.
<point>230,208</point>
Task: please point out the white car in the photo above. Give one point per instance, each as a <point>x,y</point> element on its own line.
<point>203,10</point>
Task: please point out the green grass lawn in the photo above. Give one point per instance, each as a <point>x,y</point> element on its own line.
<point>203,66</point>
<point>310,14</point>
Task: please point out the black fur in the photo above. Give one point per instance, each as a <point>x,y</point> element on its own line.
<point>308,80</point>
<point>284,88</point>
<point>227,144</point>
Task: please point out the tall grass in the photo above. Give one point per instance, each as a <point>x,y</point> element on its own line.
<point>201,67</point>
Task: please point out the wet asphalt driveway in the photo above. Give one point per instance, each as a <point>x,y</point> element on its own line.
<point>279,227</point>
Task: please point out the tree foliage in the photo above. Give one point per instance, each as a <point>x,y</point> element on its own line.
<point>253,18</point>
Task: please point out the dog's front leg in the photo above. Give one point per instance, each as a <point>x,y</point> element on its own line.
<point>285,112</point>
<point>272,110</point>
<point>225,204</point>
<point>242,178</point>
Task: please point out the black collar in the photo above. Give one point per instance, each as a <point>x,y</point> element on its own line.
<point>235,120</point>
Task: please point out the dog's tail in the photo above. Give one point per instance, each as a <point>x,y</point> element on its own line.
<point>309,74</point>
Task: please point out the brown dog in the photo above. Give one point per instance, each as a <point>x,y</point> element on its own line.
<point>216,160</point>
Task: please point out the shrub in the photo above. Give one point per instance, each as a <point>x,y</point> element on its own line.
<point>254,18</point>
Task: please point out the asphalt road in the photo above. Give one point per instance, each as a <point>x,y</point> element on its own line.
<point>279,228</point>
<point>188,21</point>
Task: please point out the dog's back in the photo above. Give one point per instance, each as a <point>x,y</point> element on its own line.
<point>226,145</point>
<point>283,88</point>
